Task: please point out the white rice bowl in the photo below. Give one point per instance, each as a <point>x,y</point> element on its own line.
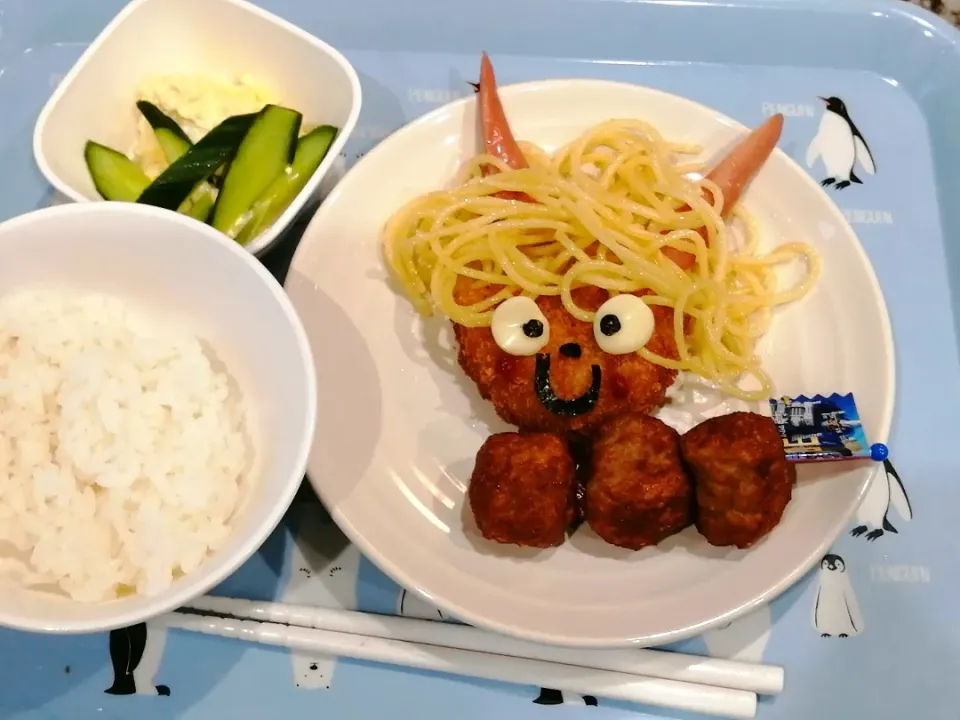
<point>124,447</point>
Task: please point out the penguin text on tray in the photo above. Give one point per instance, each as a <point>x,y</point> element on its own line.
<point>868,217</point>
<point>788,109</point>
<point>435,96</point>
<point>910,574</point>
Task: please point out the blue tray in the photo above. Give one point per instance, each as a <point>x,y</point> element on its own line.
<point>897,70</point>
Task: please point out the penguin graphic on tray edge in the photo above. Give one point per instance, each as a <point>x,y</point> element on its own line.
<point>135,655</point>
<point>840,145</point>
<point>886,492</point>
<point>836,612</point>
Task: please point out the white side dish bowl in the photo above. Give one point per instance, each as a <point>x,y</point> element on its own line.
<point>178,271</point>
<point>226,38</point>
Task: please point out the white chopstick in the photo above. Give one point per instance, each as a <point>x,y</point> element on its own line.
<point>704,699</point>
<point>759,679</point>
<point>718,687</point>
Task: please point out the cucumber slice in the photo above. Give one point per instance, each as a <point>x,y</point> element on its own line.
<point>264,153</point>
<point>212,151</point>
<point>171,138</point>
<point>115,176</point>
<point>199,203</point>
<point>217,178</point>
<point>312,148</point>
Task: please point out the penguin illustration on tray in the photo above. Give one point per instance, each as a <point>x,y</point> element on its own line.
<point>410,604</point>
<point>324,567</point>
<point>841,146</point>
<point>886,491</point>
<point>836,612</point>
<point>549,696</point>
<point>135,654</point>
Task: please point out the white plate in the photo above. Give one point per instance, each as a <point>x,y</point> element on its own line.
<point>399,423</point>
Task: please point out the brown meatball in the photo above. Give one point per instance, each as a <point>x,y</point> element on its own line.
<point>522,489</point>
<point>638,492</point>
<point>617,384</point>
<point>742,475</point>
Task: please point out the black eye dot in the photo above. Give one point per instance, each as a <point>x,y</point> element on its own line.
<point>609,325</point>
<point>533,328</point>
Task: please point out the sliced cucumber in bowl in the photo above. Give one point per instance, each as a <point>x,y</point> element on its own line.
<point>200,202</point>
<point>312,148</point>
<point>114,175</point>
<point>172,139</point>
<point>265,152</point>
<point>239,178</point>
<point>213,150</point>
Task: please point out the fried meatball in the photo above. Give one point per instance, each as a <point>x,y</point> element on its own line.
<point>626,382</point>
<point>742,476</point>
<point>522,489</point>
<point>639,492</point>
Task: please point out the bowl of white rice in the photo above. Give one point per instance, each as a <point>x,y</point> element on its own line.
<point>157,407</point>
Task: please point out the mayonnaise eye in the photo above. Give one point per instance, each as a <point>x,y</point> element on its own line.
<point>623,324</point>
<point>519,328</point>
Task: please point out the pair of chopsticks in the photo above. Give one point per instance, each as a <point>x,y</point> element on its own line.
<point>723,688</point>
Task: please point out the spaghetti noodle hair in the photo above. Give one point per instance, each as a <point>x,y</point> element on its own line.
<point>606,205</point>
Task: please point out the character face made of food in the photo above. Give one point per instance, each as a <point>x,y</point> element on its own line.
<point>561,374</point>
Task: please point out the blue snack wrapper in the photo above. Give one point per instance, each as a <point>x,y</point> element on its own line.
<point>822,428</point>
